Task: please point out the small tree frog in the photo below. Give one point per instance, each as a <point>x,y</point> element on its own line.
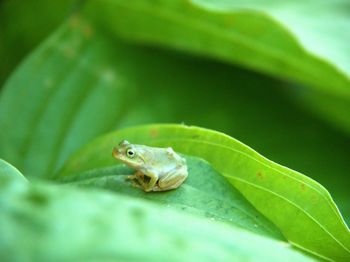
<point>166,169</point>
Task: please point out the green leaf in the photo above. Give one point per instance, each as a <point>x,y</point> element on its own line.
<point>81,83</point>
<point>300,207</point>
<point>205,193</point>
<point>41,221</point>
<point>21,31</point>
<point>270,37</point>
<point>125,87</point>
<point>306,42</point>
<point>72,68</point>
<point>8,170</point>
<point>39,134</point>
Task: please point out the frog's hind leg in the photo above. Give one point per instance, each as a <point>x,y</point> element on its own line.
<point>166,187</point>
<point>170,181</point>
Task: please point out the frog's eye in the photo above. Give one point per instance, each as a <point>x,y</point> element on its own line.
<point>130,153</point>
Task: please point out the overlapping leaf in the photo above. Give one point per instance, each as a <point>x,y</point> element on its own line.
<point>299,206</point>
<point>49,105</point>
<point>204,193</point>
<point>81,83</point>
<point>39,222</point>
<point>306,42</point>
<point>8,170</point>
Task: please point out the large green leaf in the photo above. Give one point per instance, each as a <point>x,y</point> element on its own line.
<point>39,133</point>
<point>42,222</point>
<point>299,206</point>
<point>306,42</point>
<point>81,83</point>
<point>47,110</point>
<point>66,79</point>
<point>21,29</point>
<point>278,38</point>
<point>204,193</point>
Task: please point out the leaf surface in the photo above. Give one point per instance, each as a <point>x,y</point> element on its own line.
<point>91,225</point>
<point>21,29</point>
<point>39,134</point>
<point>115,83</point>
<point>205,193</point>
<point>300,207</point>
<point>305,42</point>
<point>274,38</point>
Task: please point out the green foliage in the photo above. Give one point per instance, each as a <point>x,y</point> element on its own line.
<point>236,31</point>
<point>290,40</point>
<point>204,193</point>
<point>102,70</point>
<point>20,32</point>
<point>266,185</point>
<point>36,220</point>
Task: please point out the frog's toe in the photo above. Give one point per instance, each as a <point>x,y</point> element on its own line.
<point>134,184</point>
<point>130,177</point>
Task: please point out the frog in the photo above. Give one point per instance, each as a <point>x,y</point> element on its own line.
<point>165,168</point>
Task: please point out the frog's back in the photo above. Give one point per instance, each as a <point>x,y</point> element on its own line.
<point>163,158</point>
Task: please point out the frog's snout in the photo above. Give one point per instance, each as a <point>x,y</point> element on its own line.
<point>115,153</point>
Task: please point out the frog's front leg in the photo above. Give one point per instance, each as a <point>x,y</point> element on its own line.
<point>139,177</point>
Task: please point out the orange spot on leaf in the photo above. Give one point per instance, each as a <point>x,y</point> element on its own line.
<point>154,133</point>
<point>260,175</point>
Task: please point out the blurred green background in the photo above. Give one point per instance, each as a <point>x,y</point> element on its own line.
<point>274,75</point>
<point>267,113</point>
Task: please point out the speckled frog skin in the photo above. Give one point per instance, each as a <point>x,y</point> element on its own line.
<point>166,169</point>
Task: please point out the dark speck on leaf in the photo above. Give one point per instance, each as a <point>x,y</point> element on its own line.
<point>136,212</point>
<point>37,198</point>
<point>138,215</point>
<point>260,175</point>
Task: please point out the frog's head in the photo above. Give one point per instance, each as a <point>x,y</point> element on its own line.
<point>129,154</point>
